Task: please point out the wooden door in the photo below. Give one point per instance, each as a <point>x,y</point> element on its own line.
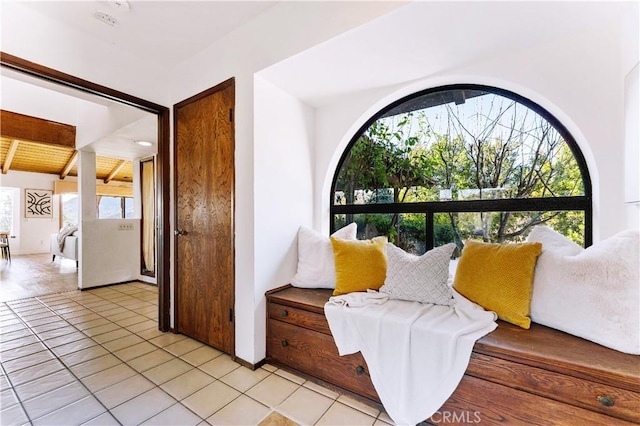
<point>204,246</point>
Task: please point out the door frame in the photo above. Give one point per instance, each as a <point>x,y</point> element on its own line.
<point>163,238</point>
<point>218,87</point>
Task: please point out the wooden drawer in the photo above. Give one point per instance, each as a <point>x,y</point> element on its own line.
<point>316,354</point>
<point>478,401</point>
<point>299,317</point>
<point>560,387</point>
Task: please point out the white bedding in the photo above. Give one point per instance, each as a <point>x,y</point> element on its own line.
<point>416,353</point>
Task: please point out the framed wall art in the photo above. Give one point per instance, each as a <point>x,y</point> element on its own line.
<point>38,203</point>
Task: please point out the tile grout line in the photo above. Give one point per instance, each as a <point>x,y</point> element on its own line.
<point>44,304</point>
<point>93,394</point>
<point>13,389</point>
<point>155,386</point>
<point>61,362</point>
<point>50,349</point>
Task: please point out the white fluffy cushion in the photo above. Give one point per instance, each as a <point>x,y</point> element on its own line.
<point>592,293</point>
<point>419,278</point>
<point>316,267</point>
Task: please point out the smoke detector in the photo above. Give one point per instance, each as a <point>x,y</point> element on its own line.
<point>105,18</point>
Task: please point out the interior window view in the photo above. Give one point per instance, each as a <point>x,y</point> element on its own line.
<point>283,213</point>
<point>436,155</point>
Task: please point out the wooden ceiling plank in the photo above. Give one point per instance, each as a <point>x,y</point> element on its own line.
<point>9,158</point>
<point>25,127</point>
<point>115,171</point>
<point>67,168</point>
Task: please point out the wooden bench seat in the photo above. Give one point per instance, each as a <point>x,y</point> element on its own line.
<point>515,376</point>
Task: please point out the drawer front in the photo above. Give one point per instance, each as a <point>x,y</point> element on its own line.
<point>477,401</point>
<point>316,354</point>
<point>299,317</point>
<point>609,400</point>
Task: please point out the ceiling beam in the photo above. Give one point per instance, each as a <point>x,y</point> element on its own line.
<point>33,129</point>
<point>9,158</point>
<point>115,171</point>
<point>67,167</point>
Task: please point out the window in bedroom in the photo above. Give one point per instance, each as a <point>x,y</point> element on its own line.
<point>69,208</point>
<point>459,162</point>
<point>115,207</point>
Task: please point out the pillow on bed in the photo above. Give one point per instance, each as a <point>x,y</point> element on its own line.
<point>419,278</point>
<point>499,277</point>
<point>360,264</point>
<point>592,293</point>
<point>315,257</point>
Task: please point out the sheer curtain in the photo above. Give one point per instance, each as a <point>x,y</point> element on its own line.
<point>148,216</point>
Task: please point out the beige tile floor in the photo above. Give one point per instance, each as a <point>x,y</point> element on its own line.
<point>97,358</point>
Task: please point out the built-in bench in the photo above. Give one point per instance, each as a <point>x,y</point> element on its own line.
<point>515,376</point>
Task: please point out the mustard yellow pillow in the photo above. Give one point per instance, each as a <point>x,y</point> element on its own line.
<point>499,277</point>
<point>360,264</point>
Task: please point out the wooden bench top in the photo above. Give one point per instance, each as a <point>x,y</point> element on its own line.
<point>539,346</point>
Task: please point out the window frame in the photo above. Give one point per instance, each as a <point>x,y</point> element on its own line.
<point>123,212</point>
<point>581,203</point>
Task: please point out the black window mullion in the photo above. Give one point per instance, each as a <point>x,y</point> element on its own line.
<point>429,230</point>
<point>470,206</point>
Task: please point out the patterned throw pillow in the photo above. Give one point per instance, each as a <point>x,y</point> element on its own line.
<point>419,278</point>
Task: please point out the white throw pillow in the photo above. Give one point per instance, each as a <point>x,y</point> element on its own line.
<point>592,293</point>
<point>316,267</point>
<point>419,278</point>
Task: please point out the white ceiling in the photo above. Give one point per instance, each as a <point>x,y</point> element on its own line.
<point>161,32</point>
<point>426,37</point>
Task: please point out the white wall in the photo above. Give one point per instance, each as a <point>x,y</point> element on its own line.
<point>283,144</point>
<point>109,254</point>
<point>31,235</point>
<point>109,249</point>
<point>282,31</point>
<point>579,79</point>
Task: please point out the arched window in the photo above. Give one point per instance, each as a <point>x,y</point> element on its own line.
<point>463,161</point>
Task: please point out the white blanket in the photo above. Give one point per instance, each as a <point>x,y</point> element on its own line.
<point>64,233</point>
<point>416,353</point>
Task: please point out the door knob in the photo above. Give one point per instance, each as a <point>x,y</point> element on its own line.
<point>180,232</point>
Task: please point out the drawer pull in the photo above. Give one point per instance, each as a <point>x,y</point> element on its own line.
<point>605,400</point>
<point>284,313</point>
<point>359,370</point>
<point>284,343</point>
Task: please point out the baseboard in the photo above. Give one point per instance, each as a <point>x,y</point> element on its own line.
<point>109,285</point>
<point>249,365</point>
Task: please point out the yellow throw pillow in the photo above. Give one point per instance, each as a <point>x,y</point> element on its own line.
<point>499,277</point>
<point>360,264</point>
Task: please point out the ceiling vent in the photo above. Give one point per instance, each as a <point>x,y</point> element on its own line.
<point>106,18</point>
